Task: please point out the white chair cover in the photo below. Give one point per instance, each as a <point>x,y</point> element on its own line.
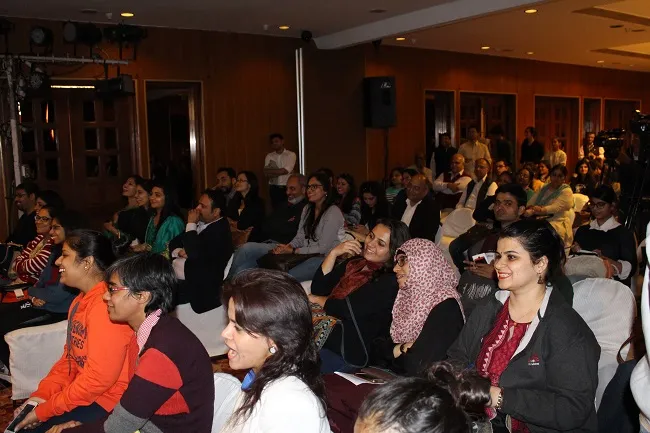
<point>33,352</point>
<point>458,222</point>
<point>306,285</point>
<point>226,390</point>
<point>579,201</point>
<point>608,307</point>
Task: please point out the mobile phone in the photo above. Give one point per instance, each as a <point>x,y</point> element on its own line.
<point>370,378</point>
<point>29,406</point>
<point>479,258</point>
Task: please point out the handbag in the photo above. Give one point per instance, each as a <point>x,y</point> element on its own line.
<point>283,262</point>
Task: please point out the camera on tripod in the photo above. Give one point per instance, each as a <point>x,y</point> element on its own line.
<point>612,141</point>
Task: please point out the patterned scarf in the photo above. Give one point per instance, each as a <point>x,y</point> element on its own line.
<point>544,198</point>
<point>431,280</point>
<point>357,273</point>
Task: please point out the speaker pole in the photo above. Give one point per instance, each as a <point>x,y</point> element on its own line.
<point>386,130</point>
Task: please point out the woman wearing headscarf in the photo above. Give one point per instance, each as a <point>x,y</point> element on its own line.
<point>427,314</point>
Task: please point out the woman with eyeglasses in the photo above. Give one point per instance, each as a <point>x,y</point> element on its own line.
<point>359,292</point>
<point>427,313</point>
<point>246,208</point>
<point>28,266</point>
<point>374,207</point>
<point>320,228</point>
<point>607,237</point>
<point>99,356</point>
<point>48,300</point>
<point>555,202</point>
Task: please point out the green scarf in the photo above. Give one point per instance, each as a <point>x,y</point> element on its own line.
<point>544,199</point>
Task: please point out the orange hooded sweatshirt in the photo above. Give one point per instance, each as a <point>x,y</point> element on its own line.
<point>98,360</point>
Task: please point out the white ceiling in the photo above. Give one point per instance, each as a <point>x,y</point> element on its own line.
<point>563,31</point>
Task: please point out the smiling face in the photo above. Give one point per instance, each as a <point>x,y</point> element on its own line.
<point>401,269</point>
<point>417,188</point>
<point>514,266</point>
<point>583,169</point>
<point>242,186</point>
<point>315,191</point>
<point>342,186</point>
<point>141,196</point>
<point>542,169</point>
<point>123,306</point>
<point>24,201</point>
<point>245,350</point>
<point>376,248</point>
<point>43,222</point>
<point>157,199</point>
<point>129,188</point>
<point>72,272</point>
<point>57,232</point>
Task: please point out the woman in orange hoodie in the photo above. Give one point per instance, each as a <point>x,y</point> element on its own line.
<point>99,356</point>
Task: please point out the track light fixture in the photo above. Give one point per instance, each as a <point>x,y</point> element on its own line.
<point>124,34</point>
<point>82,33</point>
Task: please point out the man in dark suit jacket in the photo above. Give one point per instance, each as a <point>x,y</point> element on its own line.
<point>419,211</point>
<point>202,253</point>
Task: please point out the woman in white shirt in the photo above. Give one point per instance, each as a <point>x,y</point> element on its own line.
<point>270,333</point>
<point>556,155</point>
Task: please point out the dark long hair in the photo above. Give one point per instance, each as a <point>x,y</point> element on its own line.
<point>399,233</point>
<point>171,200</point>
<point>274,305</point>
<point>251,177</point>
<point>539,239</point>
<point>91,243</point>
<point>589,177</point>
<point>445,400</point>
<point>345,202</point>
<point>311,221</point>
<point>382,208</point>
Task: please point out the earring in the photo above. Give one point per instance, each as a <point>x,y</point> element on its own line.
<point>273,350</point>
<point>540,279</point>
<point>86,267</point>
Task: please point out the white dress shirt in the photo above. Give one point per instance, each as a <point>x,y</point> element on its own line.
<point>443,187</point>
<point>473,196</point>
<point>409,211</point>
<point>286,160</point>
<point>473,151</point>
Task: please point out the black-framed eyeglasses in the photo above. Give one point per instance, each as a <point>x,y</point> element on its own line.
<point>314,186</point>
<point>599,205</point>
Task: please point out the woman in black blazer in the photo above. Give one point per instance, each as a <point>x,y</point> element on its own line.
<point>246,207</point>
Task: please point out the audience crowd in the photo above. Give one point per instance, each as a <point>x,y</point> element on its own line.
<point>477,336</point>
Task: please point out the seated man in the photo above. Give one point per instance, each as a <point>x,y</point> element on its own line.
<point>200,255</point>
<point>478,189</point>
<point>172,389</point>
<point>226,180</point>
<point>281,226</point>
<point>478,281</point>
<point>449,186</point>
<point>419,212</point>
<point>25,230</point>
<point>421,168</point>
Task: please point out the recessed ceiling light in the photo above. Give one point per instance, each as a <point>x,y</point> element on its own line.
<point>600,61</point>
<point>400,39</point>
<point>284,27</point>
<point>377,11</point>
<point>530,53</point>
<point>632,65</point>
<point>485,47</point>
<point>531,11</point>
<point>127,14</point>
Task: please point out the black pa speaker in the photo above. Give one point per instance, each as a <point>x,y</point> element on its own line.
<point>379,102</point>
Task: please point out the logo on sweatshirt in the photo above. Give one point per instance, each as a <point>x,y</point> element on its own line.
<point>533,361</point>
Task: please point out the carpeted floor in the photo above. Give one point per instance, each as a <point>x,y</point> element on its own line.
<point>219,364</point>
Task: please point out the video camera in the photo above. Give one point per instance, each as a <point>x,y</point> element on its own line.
<point>612,141</point>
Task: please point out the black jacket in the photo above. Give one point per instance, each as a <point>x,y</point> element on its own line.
<point>372,305</point>
<point>533,152</point>
<point>25,230</point>
<point>251,216</point>
<point>426,219</point>
<point>282,225</point>
<point>551,384</point>
<point>482,192</point>
<point>207,256</point>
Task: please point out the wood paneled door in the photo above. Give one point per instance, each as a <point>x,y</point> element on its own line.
<point>558,117</point>
<point>81,147</point>
<point>618,113</point>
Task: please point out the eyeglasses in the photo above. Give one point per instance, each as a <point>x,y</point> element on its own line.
<point>242,180</point>
<point>113,289</point>
<point>314,186</point>
<point>402,260</point>
<point>599,205</point>
<point>56,227</point>
<point>42,219</point>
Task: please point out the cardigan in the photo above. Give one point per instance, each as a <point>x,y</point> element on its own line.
<point>172,389</point>
<point>329,232</point>
<point>551,380</point>
<point>371,303</point>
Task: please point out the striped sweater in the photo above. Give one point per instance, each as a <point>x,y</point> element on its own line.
<point>31,261</point>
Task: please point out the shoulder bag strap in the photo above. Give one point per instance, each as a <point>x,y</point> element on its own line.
<point>363,344</point>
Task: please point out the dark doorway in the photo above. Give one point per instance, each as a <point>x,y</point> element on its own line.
<point>439,118</point>
<point>173,137</point>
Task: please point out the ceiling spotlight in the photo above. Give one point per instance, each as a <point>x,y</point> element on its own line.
<point>284,27</point>
<point>600,61</point>
<point>530,53</point>
<point>41,37</point>
<point>485,47</point>
<point>531,11</point>
<point>400,38</point>
<point>127,14</point>
<point>124,34</point>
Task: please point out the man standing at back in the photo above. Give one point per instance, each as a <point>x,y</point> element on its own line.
<point>278,166</point>
<point>473,150</point>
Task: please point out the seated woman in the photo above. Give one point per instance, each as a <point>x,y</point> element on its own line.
<point>164,220</point>
<point>360,293</point>
<point>555,201</point>
<point>320,228</point>
<point>130,223</point>
<point>606,236</point>
<point>173,387</point>
<point>32,260</point>
<point>246,208</point>
<point>49,300</point>
<point>99,356</point>
<point>582,181</point>
<point>525,179</point>
<point>396,184</point>
<point>445,400</point>
<point>347,200</point>
<point>270,334</point>
<point>538,353</point>
<point>537,184</point>
<point>427,314</point>
<point>544,172</point>
<point>48,198</point>
<point>374,207</point>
